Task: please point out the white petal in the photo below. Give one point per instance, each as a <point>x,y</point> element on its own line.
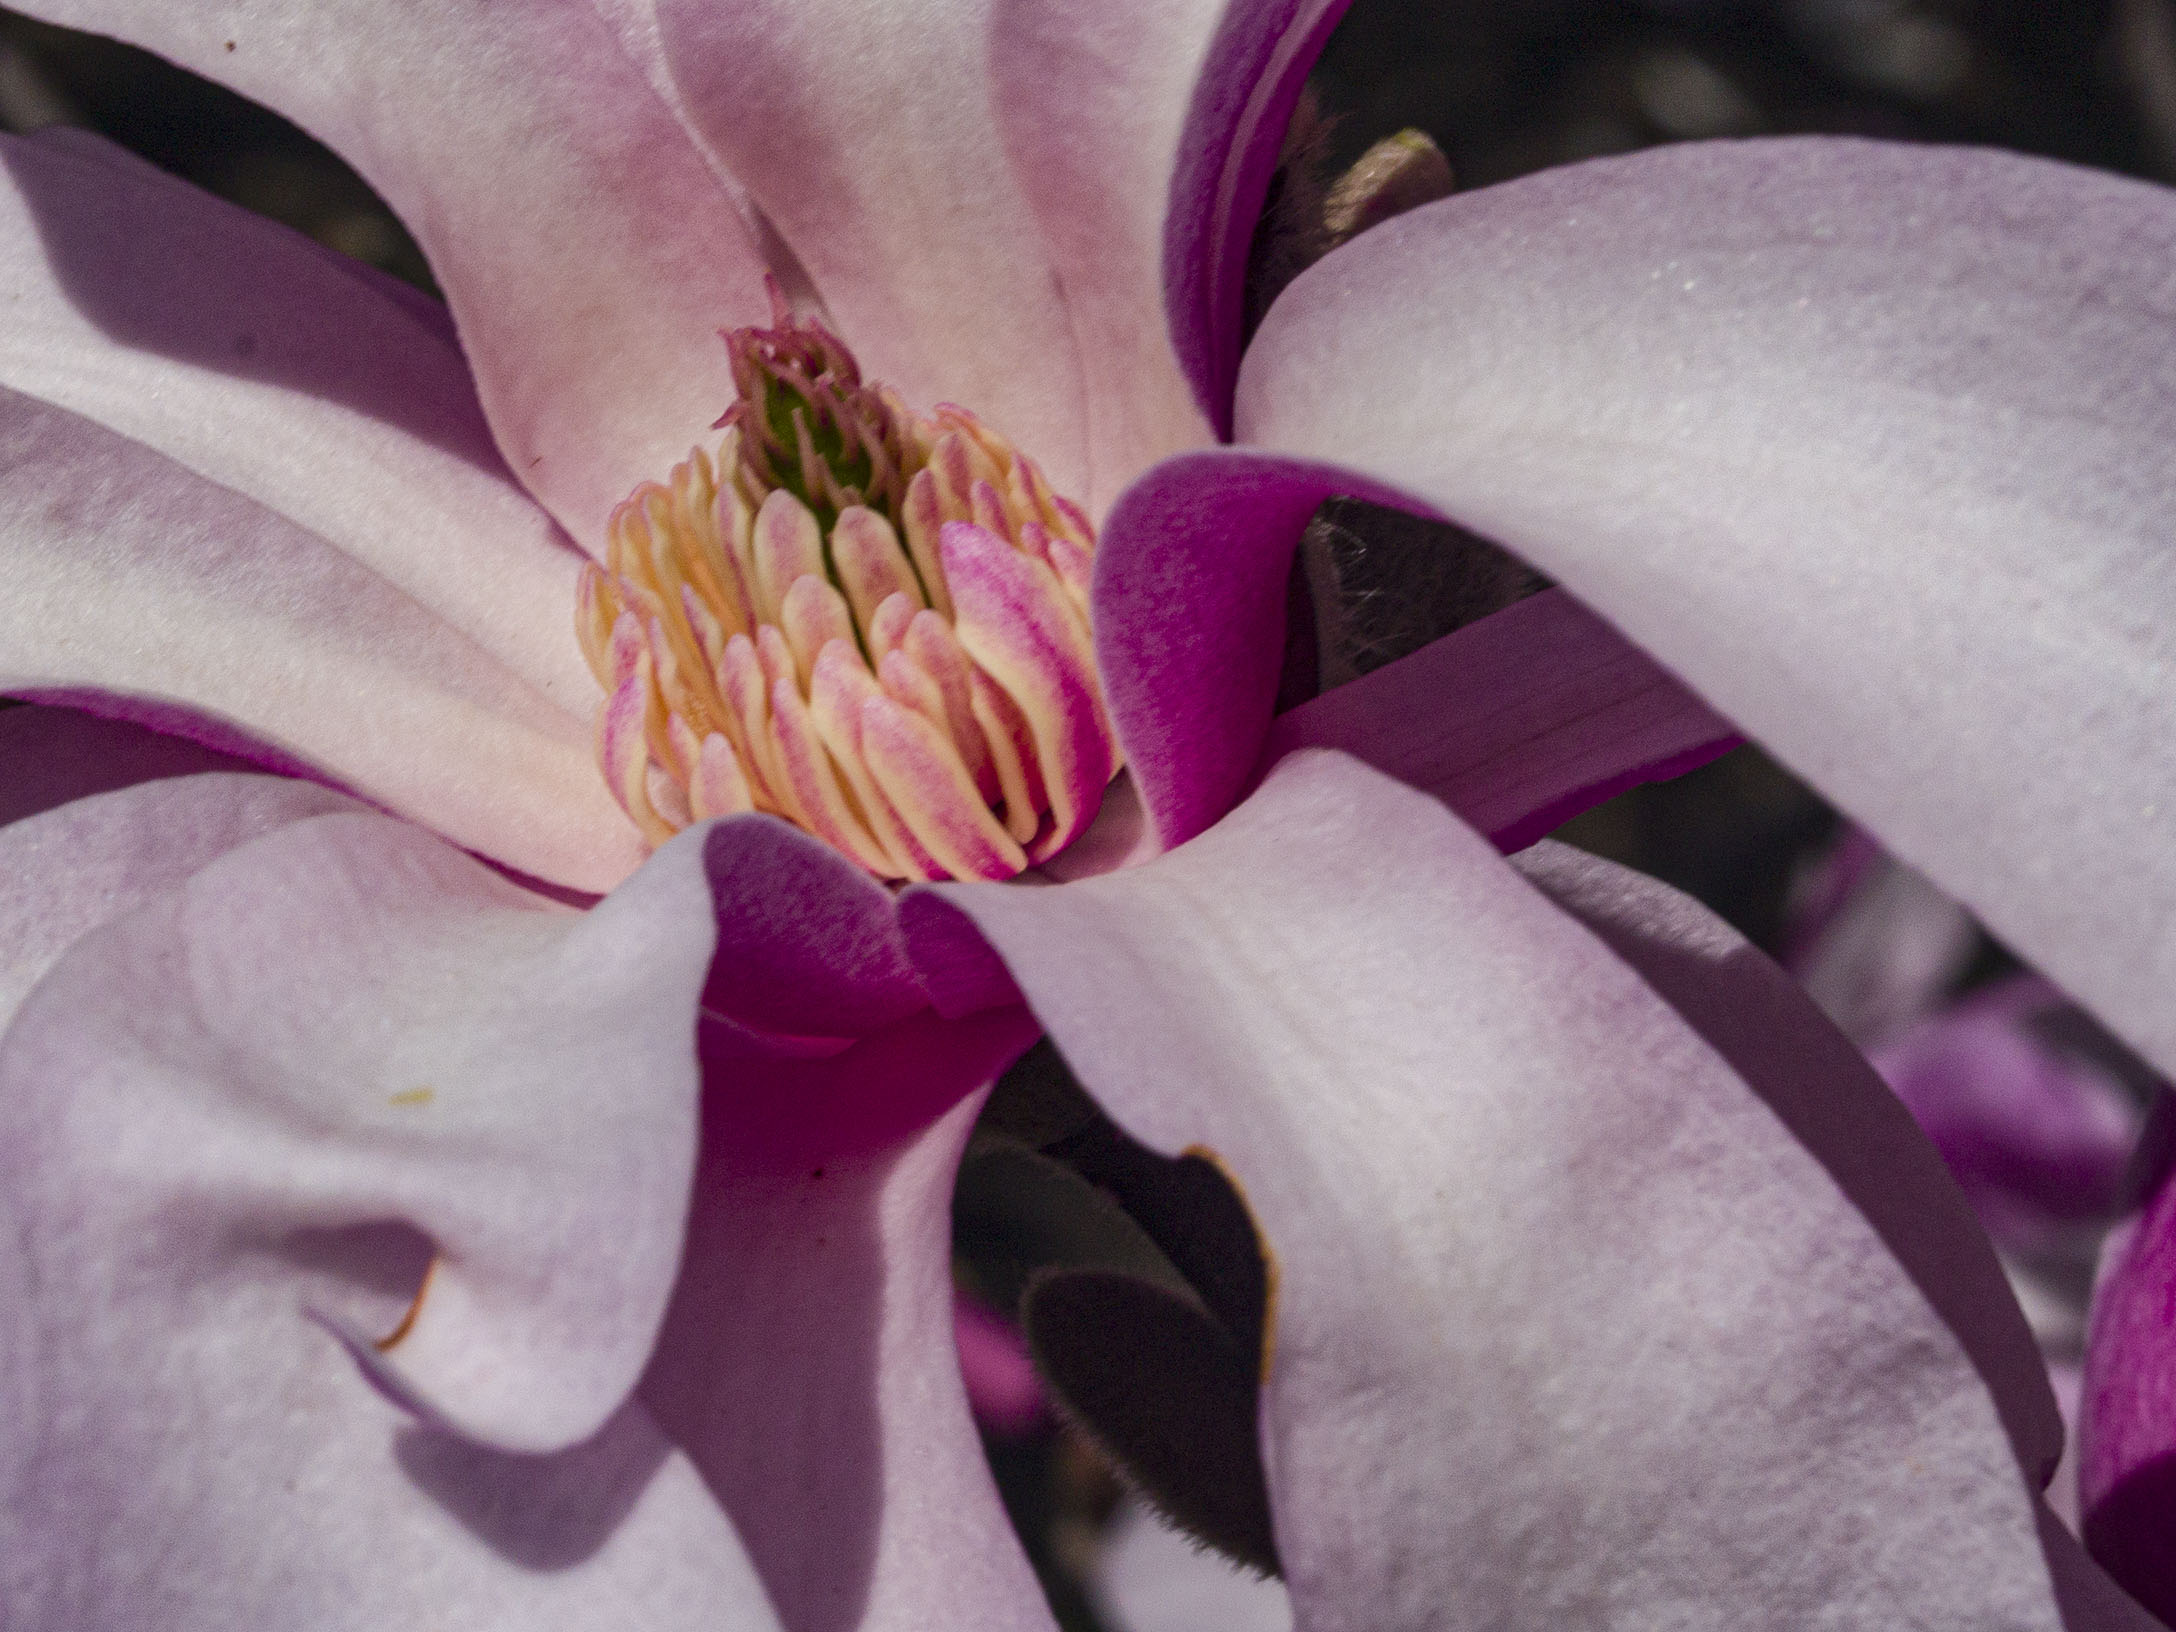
<point>1869,444</point>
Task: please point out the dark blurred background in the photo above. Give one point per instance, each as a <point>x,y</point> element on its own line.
<point>1503,87</point>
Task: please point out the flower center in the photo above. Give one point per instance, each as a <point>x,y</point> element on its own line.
<point>869,622</point>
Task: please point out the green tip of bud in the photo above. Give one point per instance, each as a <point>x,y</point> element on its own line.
<point>1397,174</point>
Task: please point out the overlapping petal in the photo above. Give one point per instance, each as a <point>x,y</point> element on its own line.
<point>1526,1211</point>
<point>1252,75</point>
<point>245,1122</point>
<point>250,496</point>
<point>808,1363</point>
<point>72,868</point>
<point>326,392</point>
<point>1865,442</point>
<point>185,602</point>
<point>1528,1352</point>
<point>1519,721</point>
<point>587,250</point>
<point>1093,105</point>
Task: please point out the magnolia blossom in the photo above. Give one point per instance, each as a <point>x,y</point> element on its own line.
<point>394,1237</point>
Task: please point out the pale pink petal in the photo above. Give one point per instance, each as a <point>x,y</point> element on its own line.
<point>1520,720</point>
<point>808,1364</point>
<point>68,869</point>
<point>869,135</point>
<point>1818,1086</point>
<point>588,252</point>
<point>1569,1328</point>
<point>267,364</point>
<point>342,1117</point>
<point>132,576</point>
<point>1256,67</point>
<point>1093,103</point>
<point>1868,444</point>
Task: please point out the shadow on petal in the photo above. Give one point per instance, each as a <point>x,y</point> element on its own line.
<point>548,1512</point>
<point>131,247</point>
<point>807,1364</point>
<point>56,755</point>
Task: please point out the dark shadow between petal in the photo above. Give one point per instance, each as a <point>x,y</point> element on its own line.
<point>541,1512</point>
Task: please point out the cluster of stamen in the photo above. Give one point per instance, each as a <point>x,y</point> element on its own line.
<point>871,623</point>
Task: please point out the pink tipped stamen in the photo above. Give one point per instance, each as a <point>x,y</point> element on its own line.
<point>870,624</point>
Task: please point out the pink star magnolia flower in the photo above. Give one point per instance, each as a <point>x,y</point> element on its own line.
<point>1611,1287</point>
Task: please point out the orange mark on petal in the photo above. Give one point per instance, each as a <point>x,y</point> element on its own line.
<point>385,1344</point>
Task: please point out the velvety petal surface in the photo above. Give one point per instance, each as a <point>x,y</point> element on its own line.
<point>342,1118</point>
<point>1568,1327</point>
<point>587,250</point>
<point>809,945</point>
<point>327,392</point>
<point>808,1364</point>
<point>183,602</point>
<point>1867,443</point>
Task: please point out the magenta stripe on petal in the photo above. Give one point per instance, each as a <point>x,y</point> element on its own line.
<point>787,546</point>
<point>1256,67</point>
<point>622,742</point>
<point>888,625</point>
<point>809,944</point>
<point>1189,617</point>
<point>1517,722</point>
